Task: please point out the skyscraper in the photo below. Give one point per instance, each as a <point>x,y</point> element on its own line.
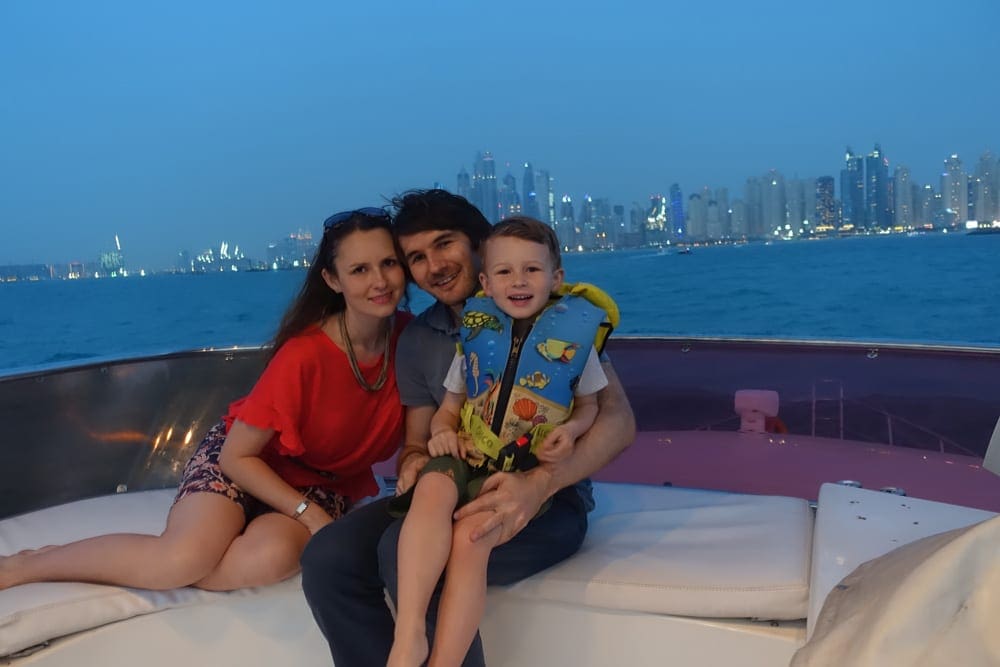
<point>825,216</point>
<point>697,218</point>
<point>903,195</point>
<point>986,193</point>
<point>878,191</point>
<point>464,184</point>
<point>659,218</point>
<point>510,201</point>
<point>955,191</point>
<point>677,222</point>
<point>773,203</point>
<point>852,191</point>
<point>545,190</point>
<point>566,228</point>
<point>484,186</point>
<point>795,205</point>
<point>529,195</point>
<point>754,201</point>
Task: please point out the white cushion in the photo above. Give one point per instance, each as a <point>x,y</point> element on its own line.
<point>687,552</point>
<point>35,613</point>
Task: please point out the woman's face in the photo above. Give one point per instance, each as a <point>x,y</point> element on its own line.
<point>368,273</point>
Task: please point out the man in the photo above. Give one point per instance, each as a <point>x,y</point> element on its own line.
<point>348,563</point>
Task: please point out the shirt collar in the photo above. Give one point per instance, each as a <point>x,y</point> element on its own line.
<point>439,317</point>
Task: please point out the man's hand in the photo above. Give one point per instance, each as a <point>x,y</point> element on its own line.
<point>558,444</point>
<point>509,500</point>
<point>412,465</point>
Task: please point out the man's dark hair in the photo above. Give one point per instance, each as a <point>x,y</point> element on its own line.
<point>423,210</point>
<point>529,229</point>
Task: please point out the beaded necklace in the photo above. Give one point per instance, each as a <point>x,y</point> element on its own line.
<point>353,360</point>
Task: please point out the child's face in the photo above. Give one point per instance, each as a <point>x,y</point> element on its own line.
<point>519,276</point>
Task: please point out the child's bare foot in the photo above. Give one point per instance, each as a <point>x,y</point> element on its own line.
<point>410,650</point>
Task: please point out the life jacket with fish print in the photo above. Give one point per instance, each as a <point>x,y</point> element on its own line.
<point>538,394</point>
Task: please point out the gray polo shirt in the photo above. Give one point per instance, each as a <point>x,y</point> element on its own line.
<point>423,355</point>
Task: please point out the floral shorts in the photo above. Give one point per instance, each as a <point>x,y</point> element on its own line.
<point>203,475</point>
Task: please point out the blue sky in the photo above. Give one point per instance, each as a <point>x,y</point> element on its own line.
<point>182,124</point>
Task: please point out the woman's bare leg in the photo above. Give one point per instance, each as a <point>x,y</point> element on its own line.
<point>424,543</point>
<point>463,599</point>
<point>200,528</point>
<point>268,551</point>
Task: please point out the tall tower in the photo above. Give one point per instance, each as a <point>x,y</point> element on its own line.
<point>773,203</point>
<point>795,205</point>
<point>510,202</point>
<point>529,194</point>
<point>566,227</point>
<point>878,191</point>
<point>678,224</point>
<point>954,191</point>
<point>545,187</point>
<point>986,189</point>
<point>722,199</point>
<point>484,186</point>
<point>697,218</point>
<point>825,214</point>
<point>852,191</point>
<point>658,220</point>
<point>903,195</point>
<point>464,184</point>
<point>754,198</point>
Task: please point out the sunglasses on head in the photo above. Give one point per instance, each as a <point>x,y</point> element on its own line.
<point>344,216</point>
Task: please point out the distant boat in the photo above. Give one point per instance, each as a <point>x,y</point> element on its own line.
<point>983,230</point>
<point>684,251</point>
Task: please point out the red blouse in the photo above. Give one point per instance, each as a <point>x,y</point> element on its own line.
<point>323,420</point>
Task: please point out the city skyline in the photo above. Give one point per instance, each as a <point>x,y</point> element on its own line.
<point>699,222</point>
<point>187,124</point>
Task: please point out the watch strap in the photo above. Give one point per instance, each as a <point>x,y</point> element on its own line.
<point>302,507</point>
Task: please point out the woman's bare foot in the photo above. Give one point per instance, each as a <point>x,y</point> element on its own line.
<point>409,649</point>
<point>12,567</point>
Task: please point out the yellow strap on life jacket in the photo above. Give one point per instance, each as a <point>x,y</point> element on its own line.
<point>487,441</point>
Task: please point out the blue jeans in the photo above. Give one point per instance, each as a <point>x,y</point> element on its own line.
<point>347,564</point>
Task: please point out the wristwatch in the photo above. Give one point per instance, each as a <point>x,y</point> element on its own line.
<point>300,509</point>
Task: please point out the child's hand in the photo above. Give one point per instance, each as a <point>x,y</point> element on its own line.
<point>556,446</point>
<point>445,443</point>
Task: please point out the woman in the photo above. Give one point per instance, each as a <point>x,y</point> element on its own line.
<point>288,458</point>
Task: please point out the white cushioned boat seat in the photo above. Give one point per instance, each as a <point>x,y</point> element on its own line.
<point>649,549</point>
<point>35,613</point>
<point>687,552</point>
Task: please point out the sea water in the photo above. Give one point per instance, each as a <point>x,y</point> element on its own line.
<point>933,288</point>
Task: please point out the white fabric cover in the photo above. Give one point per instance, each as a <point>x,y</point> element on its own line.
<point>34,613</point>
<point>931,602</point>
<point>856,525</point>
<point>687,552</point>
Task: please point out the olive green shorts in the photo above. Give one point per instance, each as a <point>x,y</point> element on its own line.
<point>467,480</point>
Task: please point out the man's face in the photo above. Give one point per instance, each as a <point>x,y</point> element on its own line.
<point>443,264</point>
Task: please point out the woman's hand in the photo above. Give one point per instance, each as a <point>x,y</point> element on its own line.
<point>314,518</point>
